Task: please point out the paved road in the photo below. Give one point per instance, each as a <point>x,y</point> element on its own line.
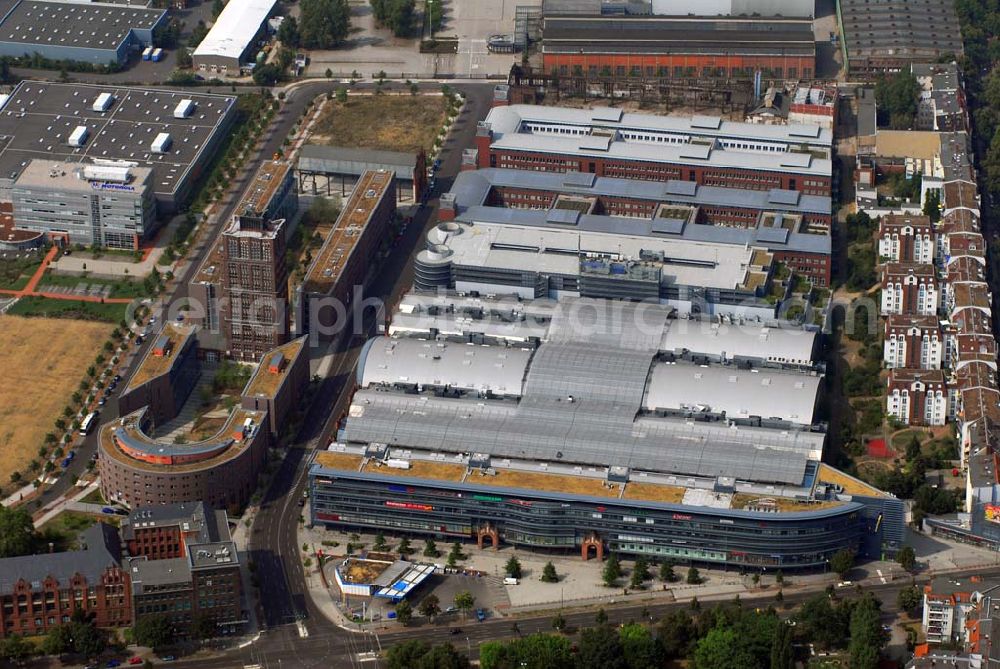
<point>328,646</point>
<point>273,543</point>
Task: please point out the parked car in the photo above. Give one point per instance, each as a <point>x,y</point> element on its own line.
<point>113,663</point>
<point>135,660</point>
<point>107,509</point>
<point>480,615</point>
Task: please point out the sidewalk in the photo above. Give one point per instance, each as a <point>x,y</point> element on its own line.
<point>66,502</point>
<point>322,595</point>
<point>241,535</point>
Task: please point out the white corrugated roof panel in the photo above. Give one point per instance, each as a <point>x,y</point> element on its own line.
<point>235,28</point>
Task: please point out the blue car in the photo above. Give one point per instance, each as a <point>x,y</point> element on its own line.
<point>113,663</point>
<point>480,615</point>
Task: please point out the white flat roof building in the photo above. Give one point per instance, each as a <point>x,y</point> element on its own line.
<point>640,326</point>
<point>234,32</point>
<point>660,131</point>
<point>739,393</point>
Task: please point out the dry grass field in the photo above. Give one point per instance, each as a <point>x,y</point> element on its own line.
<point>387,122</point>
<point>44,360</point>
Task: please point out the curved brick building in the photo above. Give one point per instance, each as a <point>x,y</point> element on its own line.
<point>139,468</point>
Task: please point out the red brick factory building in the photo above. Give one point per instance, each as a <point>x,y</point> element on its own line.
<point>705,150</point>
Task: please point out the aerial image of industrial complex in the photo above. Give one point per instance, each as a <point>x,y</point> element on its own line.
<point>556,334</point>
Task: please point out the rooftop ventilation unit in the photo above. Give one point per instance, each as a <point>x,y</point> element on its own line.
<point>184,108</point>
<point>79,136</point>
<point>103,102</point>
<point>162,143</point>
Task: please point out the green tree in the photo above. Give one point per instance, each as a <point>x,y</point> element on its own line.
<point>639,648</point>
<point>217,7</point>
<point>536,651</point>
<point>203,626</point>
<point>59,640</point>
<point>417,654</point>
<point>267,74</point>
<point>782,653</point>
<point>15,649</point>
<point>397,15</point>
<point>896,100</point>
<point>404,612</point>
<point>323,23</point>
<point>908,599</point>
<point>693,577</point>
<point>612,571</point>
<point>721,648</point>
<point>465,601</point>
<point>513,567</point>
<point>380,544</point>
<point>341,94</point>
<point>16,532</point>
<point>88,641</point>
<point>842,562</point>
<point>932,206</point>
<point>667,573</point>
<point>288,32</point>
<point>676,633</point>
<point>430,606</point>
<point>907,558</point>
<point>549,574</point>
<point>404,548</point>
<point>601,617</point>
<point>825,624</point>
<point>430,549</point>
<point>640,574</point>
<point>154,631</point>
<point>600,648</point>
<point>558,622</point>
<point>867,637</point>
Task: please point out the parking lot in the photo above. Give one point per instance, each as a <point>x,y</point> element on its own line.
<point>371,49</point>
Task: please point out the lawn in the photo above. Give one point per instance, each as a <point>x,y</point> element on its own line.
<point>94,497</point>
<point>68,309</point>
<point>901,440</point>
<point>44,361</point>
<point>119,287</point>
<point>64,530</point>
<point>16,269</point>
<point>388,122</point>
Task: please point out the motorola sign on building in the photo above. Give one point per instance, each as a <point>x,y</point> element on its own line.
<point>109,204</point>
<point>164,138</point>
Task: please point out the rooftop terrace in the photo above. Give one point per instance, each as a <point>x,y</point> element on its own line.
<point>324,273</point>
<point>850,485</point>
<point>575,485</point>
<point>438,471</point>
<point>154,365</point>
<point>265,184</point>
<point>211,267</point>
<point>205,454</point>
<point>265,381</point>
